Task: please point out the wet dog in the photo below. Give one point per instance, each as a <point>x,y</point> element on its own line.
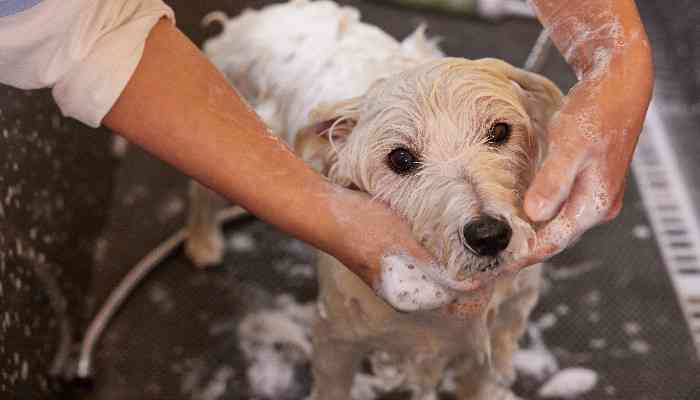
<point>450,144</point>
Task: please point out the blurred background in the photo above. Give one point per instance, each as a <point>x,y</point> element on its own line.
<point>79,207</point>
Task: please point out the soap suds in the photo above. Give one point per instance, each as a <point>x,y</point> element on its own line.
<point>641,232</point>
<point>171,208</point>
<point>160,296</point>
<point>597,344</point>
<point>276,342</point>
<point>639,346</point>
<point>119,146</point>
<point>535,361</point>
<point>198,386</point>
<point>409,287</point>
<point>574,270</point>
<point>241,242</point>
<point>631,328</point>
<point>569,383</point>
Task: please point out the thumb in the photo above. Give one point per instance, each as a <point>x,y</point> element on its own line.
<point>551,186</point>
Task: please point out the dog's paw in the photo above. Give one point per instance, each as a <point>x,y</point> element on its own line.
<point>205,251</point>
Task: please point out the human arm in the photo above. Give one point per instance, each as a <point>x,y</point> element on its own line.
<point>180,108</point>
<point>173,102</point>
<point>593,136</point>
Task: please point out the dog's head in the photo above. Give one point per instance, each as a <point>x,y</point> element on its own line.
<point>451,145</point>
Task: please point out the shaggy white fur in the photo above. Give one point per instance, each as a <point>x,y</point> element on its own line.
<point>286,59</point>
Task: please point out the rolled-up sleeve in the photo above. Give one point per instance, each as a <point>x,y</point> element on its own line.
<point>86,50</point>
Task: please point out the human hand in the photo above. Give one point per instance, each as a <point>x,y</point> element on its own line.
<point>379,247</point>
<point>591,143</point>
<point>592,138</point>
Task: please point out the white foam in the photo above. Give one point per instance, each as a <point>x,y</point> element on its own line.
<point>639,346</point>
<point>216,387</point>
<point>574,270</point>
<point>535,361</point>
<point>407,286</point>
<point>241,242</point>
<point>641,232</point>
<point>597,344</point>
<point>631,328</point>
<point>274,341</point>
<point>569,383</point>
<point>119,146</point>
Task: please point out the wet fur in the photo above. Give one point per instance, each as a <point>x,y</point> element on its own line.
<point>346,94</point>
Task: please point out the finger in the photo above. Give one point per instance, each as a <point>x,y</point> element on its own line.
<point>551,186</point>
<point>616,206</point>
<point>587,206</point>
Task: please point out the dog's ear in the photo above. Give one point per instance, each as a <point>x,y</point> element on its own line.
<point>542,98</point>
<point>332,125</point>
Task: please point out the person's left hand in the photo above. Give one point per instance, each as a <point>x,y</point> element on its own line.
<point>591,143</point>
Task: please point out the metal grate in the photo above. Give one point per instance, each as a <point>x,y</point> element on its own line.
<point>672,217</point>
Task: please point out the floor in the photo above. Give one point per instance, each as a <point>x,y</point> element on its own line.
<point>609,304</point>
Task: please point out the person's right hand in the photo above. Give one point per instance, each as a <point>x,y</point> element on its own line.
<point>593,137</point>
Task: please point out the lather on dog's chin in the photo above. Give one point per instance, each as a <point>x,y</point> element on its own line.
<point>451,144</point>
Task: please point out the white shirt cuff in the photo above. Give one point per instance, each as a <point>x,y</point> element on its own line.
<point>86,50</point>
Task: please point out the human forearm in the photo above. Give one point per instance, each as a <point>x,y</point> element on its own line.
<point>606,44</point>
<point>591,34</point>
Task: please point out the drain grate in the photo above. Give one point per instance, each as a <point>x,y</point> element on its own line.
<point>670,211</point>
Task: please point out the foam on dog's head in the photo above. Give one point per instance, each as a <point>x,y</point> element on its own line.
<point>443,113</point>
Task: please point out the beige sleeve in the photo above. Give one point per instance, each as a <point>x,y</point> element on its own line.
<point>86,50</point>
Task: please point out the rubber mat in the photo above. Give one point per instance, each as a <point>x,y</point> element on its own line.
<point>609,310</point>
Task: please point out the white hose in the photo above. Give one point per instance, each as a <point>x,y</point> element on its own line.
<point>127,285</point>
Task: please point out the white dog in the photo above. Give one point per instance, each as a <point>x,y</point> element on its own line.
<point>450,144</point>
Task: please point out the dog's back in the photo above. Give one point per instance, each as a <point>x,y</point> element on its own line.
<point>288,58</point>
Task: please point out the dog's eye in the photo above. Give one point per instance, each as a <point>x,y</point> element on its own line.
<point>499,133</point>
<point>402,161</point>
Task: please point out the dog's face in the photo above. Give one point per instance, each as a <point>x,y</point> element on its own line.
<point>452,146</point>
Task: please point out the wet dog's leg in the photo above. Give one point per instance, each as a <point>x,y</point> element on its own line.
<point>334,363</point>
<point>205,242</point>
<point>428,373</point>
<point>510,322</point>
<point>476,382</point>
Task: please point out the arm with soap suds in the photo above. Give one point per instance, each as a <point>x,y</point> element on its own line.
<point>129,68</point>
<point>179,107</point>
<point>592,138</point>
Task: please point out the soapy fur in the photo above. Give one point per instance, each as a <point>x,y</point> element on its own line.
<point>345,94</point>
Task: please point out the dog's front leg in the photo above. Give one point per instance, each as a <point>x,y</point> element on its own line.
<point>205,242</point>
<point>334,362</point>
<point>510,322</point>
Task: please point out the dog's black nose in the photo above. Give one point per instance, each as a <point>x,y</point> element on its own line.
<point>487,236</point>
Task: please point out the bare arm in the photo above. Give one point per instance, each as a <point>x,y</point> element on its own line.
<point>592,139</point>
<point>180,108</point>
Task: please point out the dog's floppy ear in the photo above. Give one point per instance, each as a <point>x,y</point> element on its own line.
<point>542,98</point>
<point>332,124</point>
